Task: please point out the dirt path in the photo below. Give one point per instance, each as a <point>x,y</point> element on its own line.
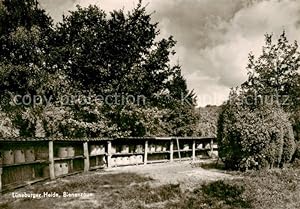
<point>109,191</point>
<point>179,172</point>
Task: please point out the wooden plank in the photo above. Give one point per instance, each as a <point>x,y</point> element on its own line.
<point>182,159</point>
<point>184,150</point>
<point>171,151</point>
<point>69,174</point>
<point>146,153</point>
<point>69,158</point>
<point>158,161</point>
<point>178,148</point>
<point>159,152</point>
<point>14,186</point>
<point>211,147</point>
<point>97,155</point>
<point>97,167</point>
<point>86,157</point>
<point>109,154</point>
<point>25,163</point>
<point>51,160</point>
<point>0,180</point>
<point>128,154</point>
<point>194,150</point>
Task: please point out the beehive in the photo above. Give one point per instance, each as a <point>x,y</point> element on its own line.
<point>113,149</point>
<point>29,155</point>
<point>125,161</point>
<point>200,146</point>
<point>186,147</point>
<point>132,159</point>
<point>8,157</point>
<point>125,149</point>
<point>65,168</point>
<point>42,153</point>
<point>58,169</point>
<point>19,156</point>
<point>158,148</point>
<point>119,161</point>
<point>63,152</point>
<point>71,151</point>
<point>100,150</point>
<point>164,148</point>
<point>152,148</point>
<point>139,158</point>
<point>113,161</point>
<point>207,146</point>
<point>93,150</point>
<point>139,148</point>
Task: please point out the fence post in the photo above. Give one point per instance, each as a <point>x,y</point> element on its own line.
<point>146,153</point>
<point>211,147</point>
<point>108,154</point>
<point>171,151</point>
<point>86,156</point>
<point>0,179</point>
<point>51,160</point>
<point>194,150</point>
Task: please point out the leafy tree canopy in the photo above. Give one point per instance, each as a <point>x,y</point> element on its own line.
<point>89,53</point>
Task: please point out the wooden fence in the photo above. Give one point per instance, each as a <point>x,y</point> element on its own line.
<point>27,161</point>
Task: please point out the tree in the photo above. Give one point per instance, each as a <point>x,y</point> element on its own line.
<point>275,73</point>
<point>274,77</point>
<point>208,120</point>
<point>254,139</point>
<point>89,53</point>
<point>109,54</point>
<point>254,128</point>
<point>24,46</point>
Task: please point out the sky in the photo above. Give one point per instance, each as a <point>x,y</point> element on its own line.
<point>214,37</point>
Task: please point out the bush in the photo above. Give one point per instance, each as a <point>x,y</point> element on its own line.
<point>296,126</point>
<point>256,138</point>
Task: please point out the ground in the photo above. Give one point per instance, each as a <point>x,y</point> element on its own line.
<point>179,185</point>
<point>185,173</point>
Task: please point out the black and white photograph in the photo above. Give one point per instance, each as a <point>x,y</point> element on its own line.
<point>149,104</point>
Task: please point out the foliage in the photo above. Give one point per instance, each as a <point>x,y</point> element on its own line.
<point>208,120</point>
<point>7,129</point>
<point>276,72</point>
<point>255,129</point>
<point>109,54</point>
<point>89,53</point>
<point>275,75</point>
<point>259,138</point>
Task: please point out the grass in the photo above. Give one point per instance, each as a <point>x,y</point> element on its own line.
<point>213,195</point>
<point>278,188</point>
<point>212,164</point>
<point>262,190</point>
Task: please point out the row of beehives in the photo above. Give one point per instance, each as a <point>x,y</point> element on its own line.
<point>135,159</point>
<point>203,146</point>
<point>153,148</point>
<point>64,152</point>
<point>97,150</point>
<point>8,157</point>
<point>100,149</point>
<point>137,148</point>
